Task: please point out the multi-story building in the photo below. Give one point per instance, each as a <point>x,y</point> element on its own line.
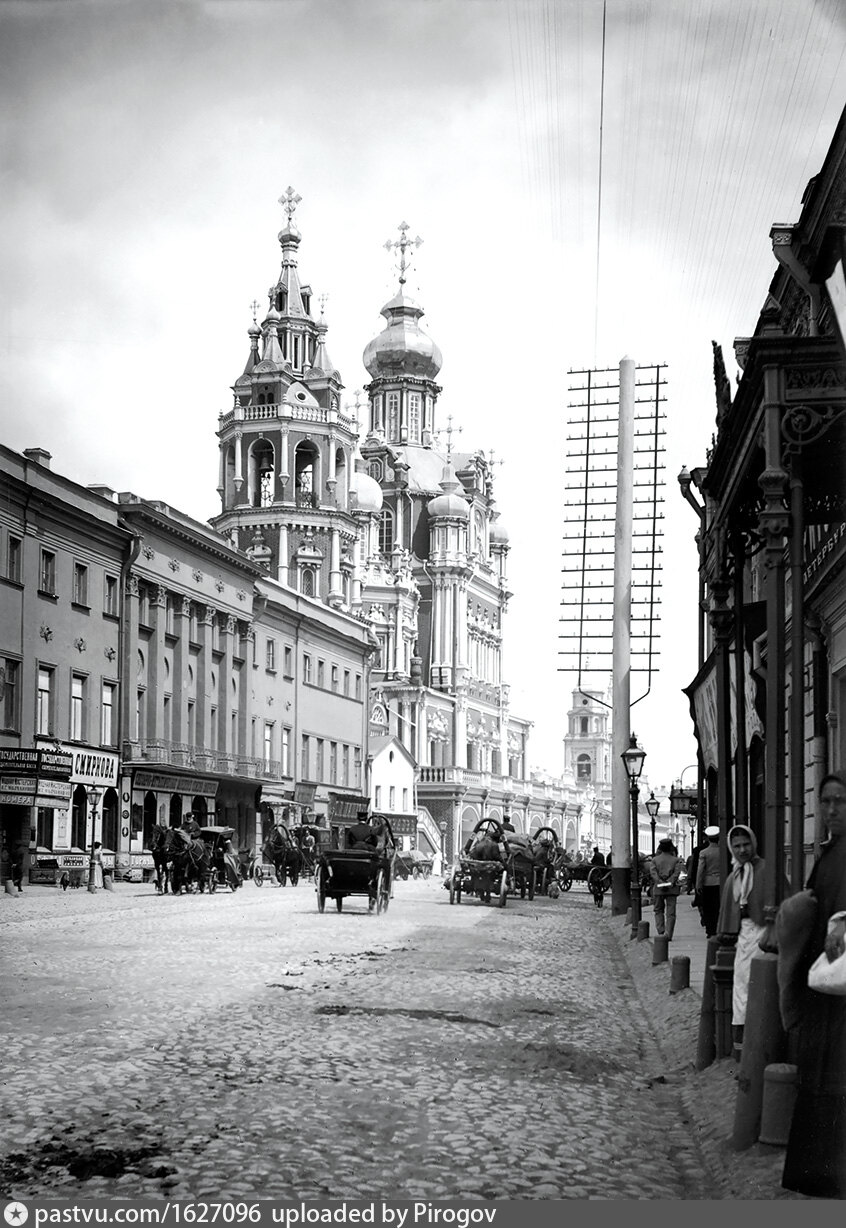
<point>150,670</point>
<point>64,557</point>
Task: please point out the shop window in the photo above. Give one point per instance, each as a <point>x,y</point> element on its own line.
<point>44,827</point>
<point>109,835</point>
<point>79,818</point>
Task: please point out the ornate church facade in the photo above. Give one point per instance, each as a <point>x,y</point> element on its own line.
<point>403,533</point>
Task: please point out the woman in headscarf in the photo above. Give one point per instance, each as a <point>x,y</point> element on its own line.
<point>815,1163</point>
<point>742,913</point>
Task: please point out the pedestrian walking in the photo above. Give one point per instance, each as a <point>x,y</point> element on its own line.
<point>665,872</point>
<point>815,1162</point>
<point>707,881</point>
<point>742,913</point>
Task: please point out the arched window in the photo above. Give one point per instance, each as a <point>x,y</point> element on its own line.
<point>150,817</point>
<point>584,724</point>
<point>341,478</point>
<point>109,835</point>
<point>306,477</point>
<point>307,585</point>
<point>79,818</point>
<point>375,470</point>
<point>584,769</point>
<point>175,810</point>
<point>261,474</point>
<point>386,531</point>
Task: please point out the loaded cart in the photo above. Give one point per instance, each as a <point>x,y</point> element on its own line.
<point>484,866</point>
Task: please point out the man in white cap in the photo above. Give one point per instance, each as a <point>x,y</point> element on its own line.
<point>708,881</point>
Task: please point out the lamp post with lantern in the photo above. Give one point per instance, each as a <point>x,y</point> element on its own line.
<point>684,803</point>
<point>652,810</point>
<point>633,758</point>
<point>92,861</point>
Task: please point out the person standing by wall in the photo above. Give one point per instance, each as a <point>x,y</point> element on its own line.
<point>742,913</point>
<point>665,871</point>
<point>707,883</point>
<point>815,1162</point>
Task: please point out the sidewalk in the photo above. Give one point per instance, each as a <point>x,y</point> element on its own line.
<point>709,1096</point>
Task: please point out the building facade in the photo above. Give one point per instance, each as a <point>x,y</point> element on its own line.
<point>768,702</point>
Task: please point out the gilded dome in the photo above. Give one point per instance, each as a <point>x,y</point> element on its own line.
<point>402,348</point>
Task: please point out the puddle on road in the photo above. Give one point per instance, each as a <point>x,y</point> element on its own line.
<point>447,1016</point>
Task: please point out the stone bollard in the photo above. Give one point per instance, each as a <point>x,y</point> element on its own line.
<point>10,887</point>
<point>660,949</point>
<point>642,931</point>
<point>779,1099</point>
<point>723,972</point>
<point>764,1043</point>
<point>705,1051</point>
<point>679,973</point>
<point>107,882</point>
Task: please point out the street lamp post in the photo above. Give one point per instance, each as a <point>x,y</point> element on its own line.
<point>633,759</point>
<point>652,810</point>
<point>92,864</point>
<point>442,827</point>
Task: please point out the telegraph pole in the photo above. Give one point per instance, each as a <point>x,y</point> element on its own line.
<point>621,644</point>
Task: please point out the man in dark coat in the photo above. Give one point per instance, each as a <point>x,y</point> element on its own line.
<point>360,834</point>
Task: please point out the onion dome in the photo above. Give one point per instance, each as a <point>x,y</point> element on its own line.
<point>450,504</point>
<point>402,348</point>
<point>366,492</point>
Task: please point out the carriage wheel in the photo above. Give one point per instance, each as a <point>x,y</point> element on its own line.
<point>320,886</point>
<point>339,903</point>
<point>415,873</point>
<point>382,894</point>
<point>258,877</point>
<point>565,879</point>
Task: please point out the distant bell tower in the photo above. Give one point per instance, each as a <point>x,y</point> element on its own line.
<point>588,741</point>
<point>287,466</point>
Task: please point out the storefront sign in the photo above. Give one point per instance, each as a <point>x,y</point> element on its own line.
<point>143,861</point>
<point>84,764</point>
<point>17,799</point>
<point>18,760</point>
<point>162,783</point>
<point>55,762</point>
<point>17,784</point>
<point>56,789</point>
<point>70,861</point>
<point>304,794</point>
<point>342,807</point>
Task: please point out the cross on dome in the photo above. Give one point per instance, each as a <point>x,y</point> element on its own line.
<point>289,202</point>
<point>254,306</point>
<point>448,431</point>
<point>321,298</point>
<point>403,243</point>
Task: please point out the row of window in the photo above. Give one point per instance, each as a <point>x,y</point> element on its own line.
<point>392,798</point>
<point>48,581</point>
<point>46,701</point>
<point>342,760</point>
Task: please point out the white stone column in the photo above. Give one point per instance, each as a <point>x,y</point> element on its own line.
<point>239,462</point>
<point>282,565</point>
<point>336,592</point>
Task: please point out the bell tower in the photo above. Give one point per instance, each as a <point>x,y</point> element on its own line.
<point>286,480</point>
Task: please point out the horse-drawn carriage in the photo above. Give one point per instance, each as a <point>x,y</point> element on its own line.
<point>483,868</point>
<point>225,866</point>
<point>282,858</point>
<point>366,868</point>
<point>413,864</point>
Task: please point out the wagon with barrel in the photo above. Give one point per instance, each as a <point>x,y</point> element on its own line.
<point>483,869</point>
<point>365,870</point>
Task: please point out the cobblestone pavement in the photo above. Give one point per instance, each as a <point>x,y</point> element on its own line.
<point>243,1045</point>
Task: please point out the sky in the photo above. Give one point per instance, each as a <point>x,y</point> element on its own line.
<point>580,198</point>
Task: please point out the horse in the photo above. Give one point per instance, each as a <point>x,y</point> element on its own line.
<point>285,854</point>
<point>191,863</point>
<point>161,847</point>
